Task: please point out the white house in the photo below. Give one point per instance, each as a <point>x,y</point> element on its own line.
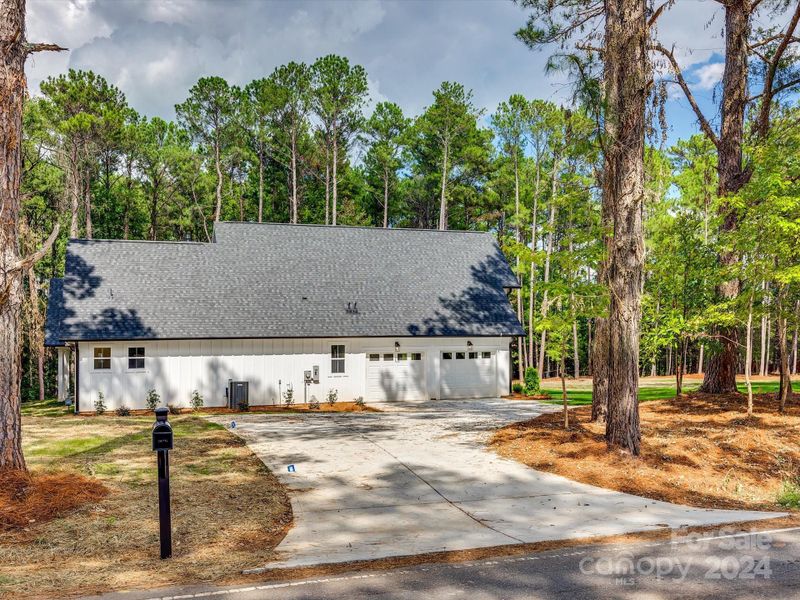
<point>385,314</point>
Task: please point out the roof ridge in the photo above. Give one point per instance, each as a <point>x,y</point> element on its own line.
<point>92,240</point>
<point>367,227</point>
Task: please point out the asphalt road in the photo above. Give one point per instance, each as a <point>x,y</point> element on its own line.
<point>721,565</point>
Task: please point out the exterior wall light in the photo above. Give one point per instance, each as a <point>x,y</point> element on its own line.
<point>469,344</point>
<point>397,346</point>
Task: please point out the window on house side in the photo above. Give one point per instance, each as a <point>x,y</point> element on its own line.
<point>447,355</point>
<point>337,358</point>
<point>136,358</point>
<point>374,357</point>
<point>486,355</point>
<point>473,355</point>
<point>102,359</point>
<point>402,356</point>
<point>460,355</point>
<point>416,356</point>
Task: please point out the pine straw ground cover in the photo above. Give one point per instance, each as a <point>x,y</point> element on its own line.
<point>699,450</point>
<point>228,510</point>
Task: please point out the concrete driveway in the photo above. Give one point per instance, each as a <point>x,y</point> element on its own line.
<point>373,485</point>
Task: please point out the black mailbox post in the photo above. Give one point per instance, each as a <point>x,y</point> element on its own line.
<point>162,444</point>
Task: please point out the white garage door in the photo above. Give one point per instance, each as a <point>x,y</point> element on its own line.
<point>468,375</point>
<point>396,376</point>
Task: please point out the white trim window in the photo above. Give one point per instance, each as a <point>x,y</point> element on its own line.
<point>102,358</point>
<point>337,359</point>
<point>136,358</point>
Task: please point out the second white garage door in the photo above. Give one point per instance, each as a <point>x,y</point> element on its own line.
<point>468,375</point>
<point>396,376</point>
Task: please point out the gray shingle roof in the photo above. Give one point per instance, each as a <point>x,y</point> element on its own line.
<point>278,280</point>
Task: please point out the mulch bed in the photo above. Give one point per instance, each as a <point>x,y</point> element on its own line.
<point>27,499</point>
<point>698,449</point>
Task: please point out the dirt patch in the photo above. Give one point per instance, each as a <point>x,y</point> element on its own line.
<point>228,509</point>
<point>699,450</point>
<point>27,499</point>
<point>516,396</point>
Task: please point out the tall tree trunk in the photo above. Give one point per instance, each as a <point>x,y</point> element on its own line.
<point>534,240</point>
<point>260,186</point>
<point>700,359</point>
<point>785,388</point>
<point>73,191</point>
<point>335,206</point>
<point>12,80</point>
<point>37,343</point>
<point>626,49</point>
<point>720,377</point>
<point>562,373</point>
<point>294,179</point>
<point>126,218</point>
<point>327,188</point>
<point>87,205</point>
<point>762,370</point>
<point>521,358</point>
<point>218,166</point>
<point>748,363</point>
<point>443,197</point>
<point>548,253</point>
<point>385,198</point>
<point>154,214</point>
<point>794,340</point>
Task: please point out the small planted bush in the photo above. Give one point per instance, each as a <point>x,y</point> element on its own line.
<point>789,495</point>
<point>333,396</point>
<point>174,409</point>
<point>100,404</point>
<point>153,400</point>
<point>532,381</point>
<point>517,387</point>
<point>243,405</point>
<point>288,397</point>
<point>359,402</point>
<point>313,404</point>
<point>123,411</point>
<point>196,401</point>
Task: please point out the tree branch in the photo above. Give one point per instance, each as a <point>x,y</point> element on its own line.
<point>31,48</point>
<point>762,122</point>
<point>652,20</point>
<point>32,259</point>
<point>704,124</point>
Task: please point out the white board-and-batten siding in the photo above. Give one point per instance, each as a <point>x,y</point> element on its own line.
<point>175,368</point>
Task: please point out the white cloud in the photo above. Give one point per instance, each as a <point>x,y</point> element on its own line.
<point>708,75</point>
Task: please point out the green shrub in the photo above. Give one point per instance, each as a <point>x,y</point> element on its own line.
<point>153,400</point>
<point>789,496</point>
<point>532,381</point>
<point>100,404</point>
<point>313,404</point>
<point>243,405</point>
<point>174,409</point>
<point>196,401</point>
<point>517,387</point>
<point>123,411</point>
<point>359,402</point>
<point>333,396</point>
<point>288,397</point>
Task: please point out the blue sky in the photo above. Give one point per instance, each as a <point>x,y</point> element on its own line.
<point>155,50</point>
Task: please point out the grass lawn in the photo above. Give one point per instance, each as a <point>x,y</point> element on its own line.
<point>698,449</point>
<point>228,510</point>
<point>579,391</point>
